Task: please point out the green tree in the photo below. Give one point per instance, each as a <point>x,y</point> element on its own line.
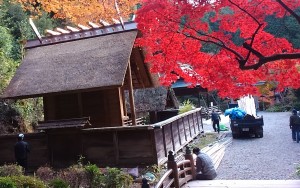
<point>15,30</point>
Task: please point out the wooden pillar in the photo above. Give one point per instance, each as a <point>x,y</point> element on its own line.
<point>124,101</point>
<point>189,156</point>
<point>173,165</point>
<point>131,98</point>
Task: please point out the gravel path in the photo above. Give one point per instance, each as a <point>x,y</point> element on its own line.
<point>275,156</point>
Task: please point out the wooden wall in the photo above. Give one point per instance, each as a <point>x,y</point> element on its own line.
<point>104,107</point>
<point>38,149</point>
<point>129,146</point>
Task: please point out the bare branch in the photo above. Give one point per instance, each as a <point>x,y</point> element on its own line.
<point>275,57</point>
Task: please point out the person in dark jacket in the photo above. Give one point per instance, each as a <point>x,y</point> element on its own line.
<point>215,118</point>
<point>204,166</point>
<point>21,151</point>
<point>295,126</point>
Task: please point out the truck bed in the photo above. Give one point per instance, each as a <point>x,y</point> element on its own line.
<point>247,126</point>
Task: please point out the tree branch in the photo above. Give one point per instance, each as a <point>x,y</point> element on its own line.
<point>251,50</point>
<point>216,43</point>
<point>242,63</point>
<point>275,57</point>
<point>297,17</point>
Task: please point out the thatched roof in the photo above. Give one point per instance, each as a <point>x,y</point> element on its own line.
<point>92,63</point>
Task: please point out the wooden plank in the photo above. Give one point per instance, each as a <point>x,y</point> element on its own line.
<point>184,130</point>
<point>172,135</point>
<point>168,138</point>
<point>176,137</point>
<point>164,141</point>
<point>159,143</point>
<point>178,132</point>
<point>116,147</point>
<point>189,123</point>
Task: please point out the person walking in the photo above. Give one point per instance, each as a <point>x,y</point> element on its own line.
<point>215,118</point>
<point>21,151</point>
<point>205,168</point>
<point>295,126</point>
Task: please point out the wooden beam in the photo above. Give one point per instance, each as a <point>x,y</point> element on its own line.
<point>124,101</point>
<point>131,98</point>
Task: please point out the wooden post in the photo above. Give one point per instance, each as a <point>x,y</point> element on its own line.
<point>131,98</point>
<point>189,156</point>
<point>124,101</point>
<point>173,165</point>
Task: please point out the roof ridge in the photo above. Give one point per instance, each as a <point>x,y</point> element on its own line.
<point>70,33</point>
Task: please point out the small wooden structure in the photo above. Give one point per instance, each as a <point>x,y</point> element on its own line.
<point>181,88</point>
<point>84,73</point>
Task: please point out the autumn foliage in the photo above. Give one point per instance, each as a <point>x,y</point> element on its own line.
<point>176,32</point>
<point>81,11</point>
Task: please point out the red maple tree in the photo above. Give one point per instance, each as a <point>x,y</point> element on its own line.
<point>175,31</point>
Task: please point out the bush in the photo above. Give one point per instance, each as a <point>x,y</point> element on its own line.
<point>45,173</point>
<point>95,175</point>
<point>11,170</point>
<point>115,178</point>
<point>186,106</point>
<point>75,176</point>
<point>6,182</point>
<point>279,108</point>
<point>28,182</point>
<point>58,183</point>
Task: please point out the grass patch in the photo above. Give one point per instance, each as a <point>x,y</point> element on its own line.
<point>205,140</point>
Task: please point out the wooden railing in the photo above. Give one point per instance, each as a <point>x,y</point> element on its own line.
<point>178,173</point>
<point>184,170</point>
<point>175,133</point>
<point>139,121</point>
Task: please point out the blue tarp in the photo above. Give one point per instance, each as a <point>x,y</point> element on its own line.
<point>235,113</point>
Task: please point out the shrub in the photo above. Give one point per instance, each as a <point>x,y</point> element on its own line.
<point>28,182</point>
<point>115,178</point>
<point>75,176</point>
<point>58,183</point>
<point>279,108</point>
<point>186,106</point>
<point>6,182</point>
<point>45,173</point>
<point>95,175</point>
<point>11,170</point>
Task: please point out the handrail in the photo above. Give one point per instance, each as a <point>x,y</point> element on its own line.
<point>163,179</point>
<point>170,120</point>
<point>176,174</point>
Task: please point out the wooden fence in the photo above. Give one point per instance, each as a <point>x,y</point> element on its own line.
<point>124,146</point>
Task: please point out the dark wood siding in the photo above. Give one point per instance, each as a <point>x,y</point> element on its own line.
<point>104,107</point>
<point>38,149</point>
